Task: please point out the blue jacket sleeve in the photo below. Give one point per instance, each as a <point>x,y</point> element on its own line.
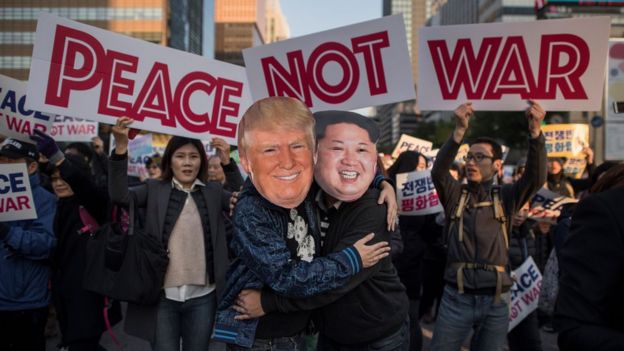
<point>261,246</point>
<point>36,239</point>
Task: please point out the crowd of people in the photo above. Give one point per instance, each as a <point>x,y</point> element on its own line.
<point>308,251</point>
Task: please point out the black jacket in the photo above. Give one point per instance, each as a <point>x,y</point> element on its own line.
<point>483,239</point>
<point>373,304</point>
<point>79,312</point>
<point>589,307</point>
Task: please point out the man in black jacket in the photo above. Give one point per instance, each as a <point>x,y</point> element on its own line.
<point>370,312</point>
<point>477,280</point>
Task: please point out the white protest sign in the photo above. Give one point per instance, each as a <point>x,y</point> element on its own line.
<point>614,97</point>
<point>546,204</point>
<point>416,194</point>
<point>614,141</point>
<point>498,66</point>
<point>16,202</point>
<point>67,128</point>
<point>16,120</point>
<point>575,166</point>
<point>431,157</point>
<point>411,143</point>
<point>79,70</point>
<point>360,65</point>
<point>139,149</point>
<point>565,140</point>
<point>524,292</point>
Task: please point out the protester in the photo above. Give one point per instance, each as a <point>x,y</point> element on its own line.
<point>557,180</point>
<point>589,307</point>
<point>183,212</point>
<point>416,232</point>
<point>476,295</point>
<point>276,234</point>
<point>25,250</point>
<point>80,313</point>
<point>373,301</point>
<point>222,168</point>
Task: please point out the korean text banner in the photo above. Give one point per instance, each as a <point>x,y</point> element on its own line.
<point>73,129</point>
<point>16,120</point>
<point>16,201</point>
<point>360,65</point>
<point>416,194</point>
<point>79,70</point>
<point>407,142</point>
<point>565,140</point>
<point>498,66</point>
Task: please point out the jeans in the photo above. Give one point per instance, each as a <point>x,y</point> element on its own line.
<point>23,330</point>
<point>191,320</point>
<point>292,343</point>
<point>459,313</point>
<point>397,341</point>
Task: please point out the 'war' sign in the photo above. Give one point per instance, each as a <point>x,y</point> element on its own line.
<point>524,292</point>
<point>79,70</point>
<point>73,129</point>
<point>361,65</point>
<point>16,201</point>
<point>16,120</point>
<point>498,66</point>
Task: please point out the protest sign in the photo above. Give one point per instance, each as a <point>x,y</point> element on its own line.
<point>574,167</point>
<point>79,70</point>
<point>16,202</point>
<point>16,120</point>
<point>565,140</point>
<point>546,205</point>
<point>461,153</point>
<point>417,195</point>
<point>498,66</point>
<point>139,149</point>
<point>73,129</point>
<point>431,157</point>
<point>614,141</point>
<point>524,292</point>
<point>411,143</point>
<point>360,65</point>
<point>614,109</point>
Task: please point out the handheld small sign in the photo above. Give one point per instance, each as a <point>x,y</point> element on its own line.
<point>416,194</point>
<point>16,120</point>
<point>73,129</point>
<point>411,143</point>
<point>524,292</point>
<point>16,200</point>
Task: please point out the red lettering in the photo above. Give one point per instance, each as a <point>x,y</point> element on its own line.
<point>155,99</point>
<point>192,82</point>
<point>291,82</point>
<point>22,202</point>
<point>513,74</point>
<point>114,84</point>
<point>566,76</point>
<point>344,89</point>
<point>463,68</point>
<point>14,204</point>
<point>69,44</point>
<point>370,46</point>
<point>224,107</point>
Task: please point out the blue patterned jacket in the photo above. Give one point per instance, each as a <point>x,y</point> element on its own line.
<point>263,259</point>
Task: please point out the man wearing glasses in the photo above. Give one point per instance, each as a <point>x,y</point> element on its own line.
<point>476,295</point>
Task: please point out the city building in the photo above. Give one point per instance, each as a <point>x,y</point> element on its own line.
<point>178,24</point>
<point>241,24</point>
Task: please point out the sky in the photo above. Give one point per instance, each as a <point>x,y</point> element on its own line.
<point>310,16</point>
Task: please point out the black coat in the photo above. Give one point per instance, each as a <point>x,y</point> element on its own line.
<point>80,312</point>
<point>589,307</point>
